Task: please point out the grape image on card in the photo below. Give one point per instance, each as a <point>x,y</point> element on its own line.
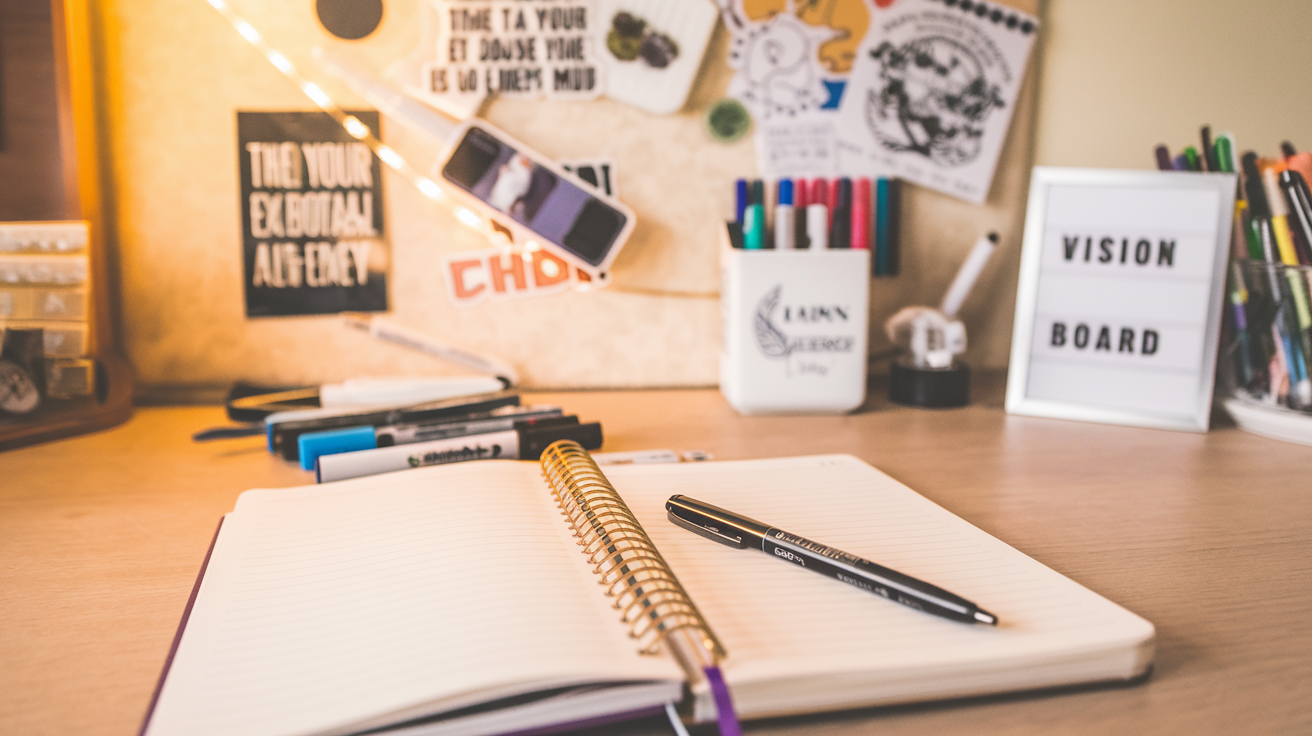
<point>932,98</point>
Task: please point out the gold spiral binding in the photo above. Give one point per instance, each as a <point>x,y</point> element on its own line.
<point>649,597</point>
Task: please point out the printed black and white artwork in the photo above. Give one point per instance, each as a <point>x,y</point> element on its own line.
<point>932,93</point>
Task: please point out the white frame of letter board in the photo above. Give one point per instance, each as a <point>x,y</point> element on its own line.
<point>1042,182</point>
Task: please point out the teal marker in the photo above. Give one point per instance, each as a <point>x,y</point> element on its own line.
<point>754,227</point>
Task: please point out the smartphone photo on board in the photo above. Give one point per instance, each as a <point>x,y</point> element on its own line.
<point>538,196</point>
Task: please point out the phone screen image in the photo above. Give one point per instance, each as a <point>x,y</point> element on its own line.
<point>555,208</point>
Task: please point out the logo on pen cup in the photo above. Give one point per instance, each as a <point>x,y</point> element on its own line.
<point>806,353</point>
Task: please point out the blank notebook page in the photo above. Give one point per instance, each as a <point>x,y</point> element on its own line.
<point>326,604</point>
<point>779,621</point>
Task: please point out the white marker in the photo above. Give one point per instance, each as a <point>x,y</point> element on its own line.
<point>785,226</point>
<point>524,442</point>
<point>648,457</point>
<point>356,392</point>
<point>635,457</point>
<point>967,274</point>
<point>384,330</point>
<point>817,226</point>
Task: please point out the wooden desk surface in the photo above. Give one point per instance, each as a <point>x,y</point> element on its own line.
<point>1207,536</point>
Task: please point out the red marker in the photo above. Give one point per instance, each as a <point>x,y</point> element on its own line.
<point>861,213</point>
<point>820,196</point>
<point>819,193</point>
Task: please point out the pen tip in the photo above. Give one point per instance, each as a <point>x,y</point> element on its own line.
<point>986,618</point>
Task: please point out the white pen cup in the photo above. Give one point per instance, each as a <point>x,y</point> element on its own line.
<point>795,329</point>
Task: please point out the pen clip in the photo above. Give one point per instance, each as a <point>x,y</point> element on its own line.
<point>685,512</point>
<point>736,542</point>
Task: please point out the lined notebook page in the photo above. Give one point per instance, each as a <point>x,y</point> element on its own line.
<point>782,624</point>
<point>326,605</point>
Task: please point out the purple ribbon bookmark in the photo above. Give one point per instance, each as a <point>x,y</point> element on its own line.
<point>725,716</point>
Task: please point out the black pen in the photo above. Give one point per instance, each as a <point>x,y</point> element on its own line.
<point>1300,203</point>
<point>739,532</point>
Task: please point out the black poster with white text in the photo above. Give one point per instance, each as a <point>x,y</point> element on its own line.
<point>313,239</point>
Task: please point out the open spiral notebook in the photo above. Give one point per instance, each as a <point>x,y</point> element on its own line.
<point>457,600</point>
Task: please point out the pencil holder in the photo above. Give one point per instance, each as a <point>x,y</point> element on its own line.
<point>794,329</point>
<point>1266,357</point>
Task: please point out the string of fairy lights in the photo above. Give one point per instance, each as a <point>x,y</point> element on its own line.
<point>353,126</point>
<point>389,156</point>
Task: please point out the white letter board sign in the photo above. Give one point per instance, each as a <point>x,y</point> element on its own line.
<point>1119,305</point>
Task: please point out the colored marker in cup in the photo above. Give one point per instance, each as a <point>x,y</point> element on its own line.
<point>754,227</point>
<point>784,233</point>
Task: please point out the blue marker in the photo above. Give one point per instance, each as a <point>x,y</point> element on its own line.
<point>741,200</point>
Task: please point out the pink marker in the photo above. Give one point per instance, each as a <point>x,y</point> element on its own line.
<point>861,213</point>
<point>833,203</point>
<point>800,201</point>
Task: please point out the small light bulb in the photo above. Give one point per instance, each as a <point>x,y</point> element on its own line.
<point>281,62</point>
<point>390,157</point>
<point>429,187</point>
<point>468,217</point>
<point>355,127</point>
<point>248,32</point>
<point>320,97</point>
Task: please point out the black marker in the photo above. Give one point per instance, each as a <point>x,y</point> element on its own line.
<point>1208,153</point>
<point>739,532</point>
<point>1259,207</point>
<point>840,228</point>
<point>284,436</point>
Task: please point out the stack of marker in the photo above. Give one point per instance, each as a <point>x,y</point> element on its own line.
<point>1270,293</point>
<point>820,214</point>
<point>351,441</point>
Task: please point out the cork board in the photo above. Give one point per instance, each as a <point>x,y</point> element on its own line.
<point>174,73</point>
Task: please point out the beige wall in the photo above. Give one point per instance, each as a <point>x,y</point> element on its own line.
<point>1121,76</point>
